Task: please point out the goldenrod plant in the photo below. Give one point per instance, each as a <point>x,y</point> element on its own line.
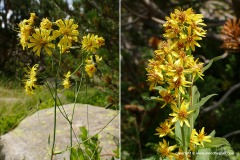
<point>172,72</point>
<point>54,39</point>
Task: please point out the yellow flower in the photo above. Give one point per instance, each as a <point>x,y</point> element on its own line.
<point>181,114</point>
<point>30,82</point>
<point>201,137</point>
<point>191,39</point>
<point>69,33</point>
<point>25,31</point>
<point>32,18</point>
<point>165,128</point>
<point>166,150</point>
<point>167,97</point>
<point>178,84</point>
<point>180,155</point>
<point>41,39</point>
<point>155,75</point>
<point>45,24</point>
<point>93,59</point>
<point>193,139</point>
<point>91,42</point>
<point>90,69</point>
<point>66,82</point>
<point>195,68</point>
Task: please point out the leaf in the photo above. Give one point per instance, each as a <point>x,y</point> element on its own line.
<point>195,100</point>
<point>216,142</point>
<point>212,134</point>
<point>178,134</point>
<point>159,88</point>
<point>83,135</point>
<point>196,104</point>
<point>210,63</point>
<point>203,154</point>
<point>203,101</point>
<point>195,95</point>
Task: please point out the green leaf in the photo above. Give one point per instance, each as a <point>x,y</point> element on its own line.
<point>203,154</point>
<point>195,100</point>
<point>212,134</point>
<point>210,63</point>
<point>216,142</point>
<point>203,101</point>
<point>159,88</point>
<point>154,98</point>
<point>195,95</point>
<point>178,134</point>
<point>83,135</point>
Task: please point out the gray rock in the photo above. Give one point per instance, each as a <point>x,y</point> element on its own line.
<point>29,141</point>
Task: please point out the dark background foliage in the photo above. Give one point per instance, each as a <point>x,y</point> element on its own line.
<point>141,21</point>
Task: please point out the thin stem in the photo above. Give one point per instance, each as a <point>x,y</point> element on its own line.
<point>191,103</point>
<point>71,120</point>
<point>87,105</point>
<point>55,119</point>
<point>55,102</point>
<point>184,145</point>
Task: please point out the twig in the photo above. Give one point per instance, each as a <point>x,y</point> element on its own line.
<point>158,20</point>
<point>222,99</point>
<point>154,9</point>
<point>135,13</point>
<point>232,134</point>
<point>130,23</point>
<point>206,61</point>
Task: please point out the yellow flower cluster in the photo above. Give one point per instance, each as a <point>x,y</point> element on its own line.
<point>184,28</point>
<point>66,82</point>
<point>173,70</point>
<point>60,35</point>
<point>91,43</point>
<point>91,64</point>
<point>26,28</point>
<point>31,79</point>
<point>41,37</point>
<point>198,138</point>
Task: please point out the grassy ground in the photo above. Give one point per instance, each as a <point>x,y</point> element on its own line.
<point>15,105</point>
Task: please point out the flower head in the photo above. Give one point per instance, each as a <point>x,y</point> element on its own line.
<point>181,114</point>
<point>165,128</point>
<point>69,33</point>
<point>46,24</point>
<point>26,28</point>
<point>30,82</point>
<point>201,137</point>
<point>41,39</point>
<point>91,42</point>
<point>167,97</point>
<point>165,149</point>
<point>90,69</point>
<point>66,82</point>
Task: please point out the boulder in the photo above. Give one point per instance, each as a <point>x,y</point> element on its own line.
<point>30,140</point>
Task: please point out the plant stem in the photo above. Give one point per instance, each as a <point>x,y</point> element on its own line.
<point>184,144</point>
<point>55,118</point>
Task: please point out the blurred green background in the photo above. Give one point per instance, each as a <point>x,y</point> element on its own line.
<point>141,26</point>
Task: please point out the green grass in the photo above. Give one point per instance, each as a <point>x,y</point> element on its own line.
<point>15,105</point>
